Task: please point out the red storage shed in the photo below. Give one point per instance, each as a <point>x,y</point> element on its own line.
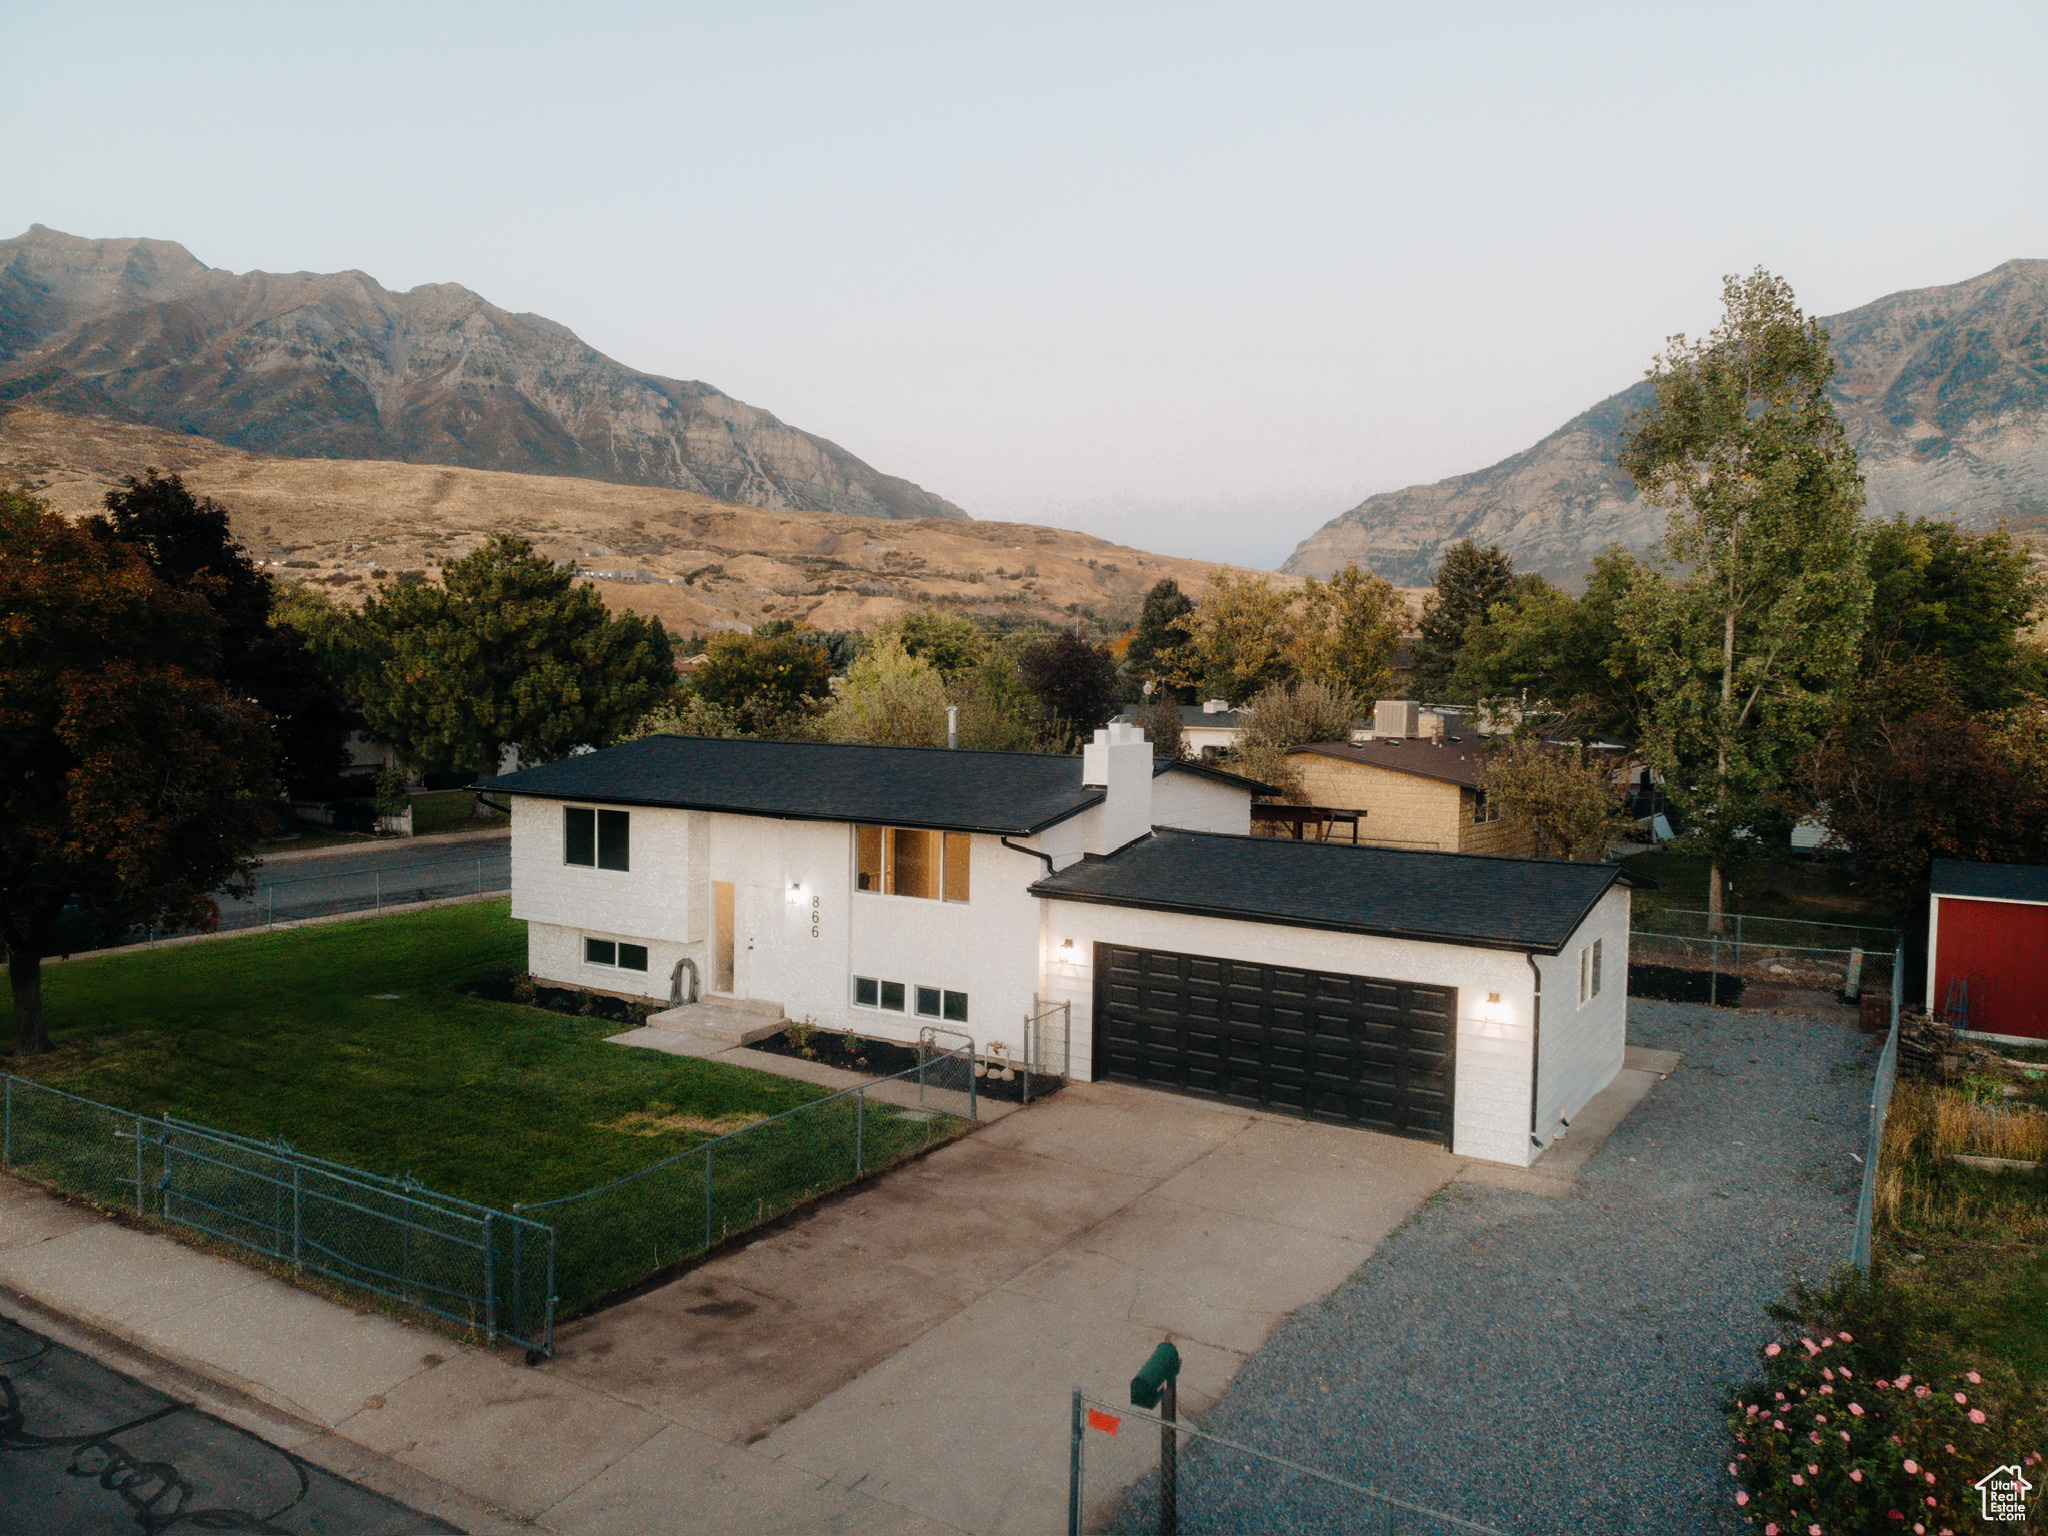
<point>1987,948</point>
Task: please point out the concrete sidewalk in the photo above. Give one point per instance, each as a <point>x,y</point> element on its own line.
<point>898,1359</point>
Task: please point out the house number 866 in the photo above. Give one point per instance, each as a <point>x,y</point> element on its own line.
<point>814,917</point>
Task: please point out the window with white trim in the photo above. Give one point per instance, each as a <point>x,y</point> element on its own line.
<point>1589,972</point>
<point>626,957</point>
<point>873,992</point>
<point>596,839</point>
<point>942,1003</point>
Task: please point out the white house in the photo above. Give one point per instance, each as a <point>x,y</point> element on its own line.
<point>1478,1002</point>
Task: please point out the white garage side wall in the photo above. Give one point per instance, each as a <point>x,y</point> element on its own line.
<point>1196,804</point>
<point>1490,1114</point>
<point>1583,1045</point>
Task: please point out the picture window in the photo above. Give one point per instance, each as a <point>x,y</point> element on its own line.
<point>913,861</point>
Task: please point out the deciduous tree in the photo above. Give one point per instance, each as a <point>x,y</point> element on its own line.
<point>891,699</point>
<point>1350,628</point>
<point>509,651</point>
<point>951,642</point>
<point>764,682</point>
<point>1749,649</point>
<point>1241,638</point>
<point>132,784</point>
<point>1565,800</point>
<point>187,543</point>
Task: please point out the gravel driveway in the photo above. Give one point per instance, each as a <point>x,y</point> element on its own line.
<point>1552,1365</point>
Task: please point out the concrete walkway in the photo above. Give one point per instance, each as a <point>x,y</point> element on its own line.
<point>897,1360</point>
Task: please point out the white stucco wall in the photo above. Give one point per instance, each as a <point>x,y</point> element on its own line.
<point>1583,1044</point>
<point>1196,804</point>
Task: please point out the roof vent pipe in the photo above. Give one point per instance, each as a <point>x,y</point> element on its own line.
<point>953,725</point>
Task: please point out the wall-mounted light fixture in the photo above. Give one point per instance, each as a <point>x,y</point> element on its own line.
<point>1493,1010</point>
<point>1066,943</point>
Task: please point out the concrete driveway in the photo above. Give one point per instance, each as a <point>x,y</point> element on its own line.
<point>917,1342</point>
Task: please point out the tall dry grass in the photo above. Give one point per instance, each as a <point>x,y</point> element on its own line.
<point>1919,1189</point>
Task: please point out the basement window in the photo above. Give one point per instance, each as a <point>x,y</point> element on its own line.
<point>939,1003</point>
<point>870,992</point>
<point>627,957</point>
<point>912,861</point>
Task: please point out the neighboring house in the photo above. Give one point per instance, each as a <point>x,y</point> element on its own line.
<point>1987,948</point>
<point>889,890</point>
<point>1210,728</point>
<point>1415,792</point>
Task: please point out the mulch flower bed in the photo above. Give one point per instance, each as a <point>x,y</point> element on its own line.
<point>885,1058</point>
<point>518,987</point>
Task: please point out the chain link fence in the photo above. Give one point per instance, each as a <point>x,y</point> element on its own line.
<point>1873,1153</point>
<point>1222,1487</point>
<point>1678,954</point>
<point>618,1234</point>
<point>487,1270</point>
<point>1048,1047</point>
<point>327,892</point>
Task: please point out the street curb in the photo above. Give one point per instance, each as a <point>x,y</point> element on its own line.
<point>297,922</point>
<point>387,842</point>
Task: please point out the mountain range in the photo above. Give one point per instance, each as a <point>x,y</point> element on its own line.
<point>336,366</point>
<point>1943,391</point>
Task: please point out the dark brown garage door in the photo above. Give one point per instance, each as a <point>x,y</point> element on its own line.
<point>1355,1050</point>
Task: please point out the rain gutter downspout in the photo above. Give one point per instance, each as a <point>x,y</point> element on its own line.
<point>1535,1044</point>
<point>1020,848</point>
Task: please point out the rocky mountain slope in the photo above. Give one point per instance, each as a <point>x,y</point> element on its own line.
<point>352,526</point>
<point>335,366</point>
<point>1944,392</point>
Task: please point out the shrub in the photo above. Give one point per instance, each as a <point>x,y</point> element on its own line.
<point>1838,1437</point>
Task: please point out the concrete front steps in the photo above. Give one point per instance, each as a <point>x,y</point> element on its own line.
<point>717,1024</point>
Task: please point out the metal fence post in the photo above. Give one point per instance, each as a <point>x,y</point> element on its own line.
<point>1074,1469</point>
<point>518,1289</point>
<point>860,1128</point>
<point>973,1103</point>
<point>707,1197</point>
<point>490,1283</point>
<point>1714,974</point>
<point>7,1133</point>
<point>1738,943</point>
<point>138,1167</point>
<point>377,886</point>
<point>479,874</point>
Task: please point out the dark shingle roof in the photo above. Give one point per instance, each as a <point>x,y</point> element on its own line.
<point>1455,762</point>
<point>1996,882</point>
<point>1014,793</point>
<point>1446,898</point>
<point>1192,715</point>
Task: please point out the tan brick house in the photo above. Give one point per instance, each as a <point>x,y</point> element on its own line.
<point>1416,792</point>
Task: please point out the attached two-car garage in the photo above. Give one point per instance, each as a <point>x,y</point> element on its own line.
<point>1357,1050</point>
<point>1446,997</point>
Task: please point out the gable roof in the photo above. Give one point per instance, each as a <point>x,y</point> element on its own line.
<point>1010,793</point>
<point>1193,716</point>
<point>1533,905</point>
<point>1993,882</point>
<point>1455,762</point>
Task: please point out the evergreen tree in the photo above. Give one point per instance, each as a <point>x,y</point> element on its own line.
<point>1159,643</point>
<point>509,651</point>
<point>1469,582</point>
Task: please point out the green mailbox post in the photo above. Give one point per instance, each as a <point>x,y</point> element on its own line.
<point>1155,1387</point>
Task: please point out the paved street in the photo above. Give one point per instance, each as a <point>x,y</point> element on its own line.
<point>378,875</point>
<point>87,1451</point>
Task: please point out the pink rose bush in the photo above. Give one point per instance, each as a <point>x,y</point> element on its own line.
<point>1902,1456</point>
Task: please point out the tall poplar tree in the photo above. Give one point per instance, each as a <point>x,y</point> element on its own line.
<point>1749,647</point>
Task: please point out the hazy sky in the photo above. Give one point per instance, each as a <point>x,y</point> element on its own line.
<point>1194,277</point>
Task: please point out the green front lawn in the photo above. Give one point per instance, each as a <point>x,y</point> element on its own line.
<point>350,1041</point>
